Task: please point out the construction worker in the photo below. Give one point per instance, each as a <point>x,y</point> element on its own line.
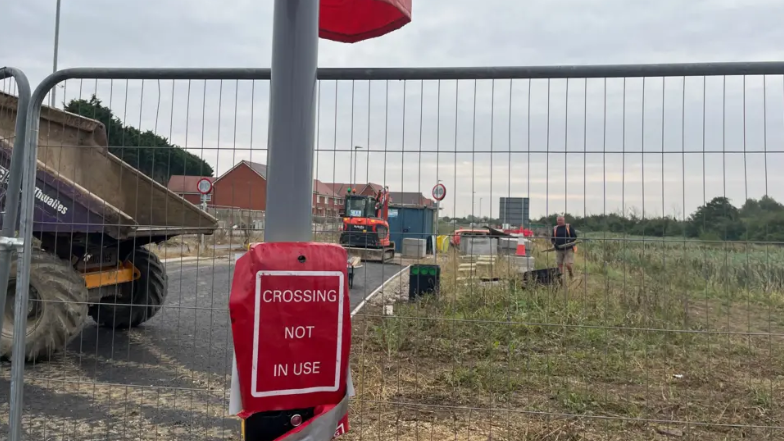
<point>563,241</point>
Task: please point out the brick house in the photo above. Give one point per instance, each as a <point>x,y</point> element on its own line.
<point>365,189</point>
<point>341,189</point>
<point>245,186</point>
<point>185,186</point>
<point>325,201</point>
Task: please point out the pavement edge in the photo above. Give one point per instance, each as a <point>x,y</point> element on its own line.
<point>378,290</point>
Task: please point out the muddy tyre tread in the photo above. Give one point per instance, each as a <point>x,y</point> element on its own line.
<point>145,299</point>
<point>64,306</point>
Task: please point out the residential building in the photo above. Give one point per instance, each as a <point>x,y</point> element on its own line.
<point>245,186</point>
<point>365,189</point>
<point>185,186</point>
<point>325,201</point>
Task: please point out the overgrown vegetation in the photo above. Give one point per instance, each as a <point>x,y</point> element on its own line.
<point>146,151</point>
<point>756,220</point>
<point>655,340</point>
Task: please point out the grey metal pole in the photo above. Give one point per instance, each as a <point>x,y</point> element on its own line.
<point>292,126</point>
<point>26,214</point>
<point>292,121</point>
<point>354,174</point>
<point>435,248</point>
<point>13,190</point>
<point>52,101</point>
<point>438,215</point>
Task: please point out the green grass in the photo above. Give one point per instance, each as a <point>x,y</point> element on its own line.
<point>730,271</point>
<point>652,333</point>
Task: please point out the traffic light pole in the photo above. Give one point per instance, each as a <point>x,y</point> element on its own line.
<point>295,34</point>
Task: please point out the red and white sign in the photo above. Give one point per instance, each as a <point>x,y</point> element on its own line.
<point>296,351</point>
<point>439,192</point>
<point>204,186</point>
<point>291,324</point>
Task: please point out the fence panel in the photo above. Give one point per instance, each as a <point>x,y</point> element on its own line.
<point>14,102</point>
<point>665,326</point>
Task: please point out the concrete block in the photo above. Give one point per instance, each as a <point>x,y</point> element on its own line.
<point>507,245</point>
<point>521,263</point>
<point>478,245</point>
<point>414,248</point>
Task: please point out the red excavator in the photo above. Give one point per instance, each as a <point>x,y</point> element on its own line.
<point>366,228</point>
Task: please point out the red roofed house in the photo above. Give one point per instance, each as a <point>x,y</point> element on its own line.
<point>325,201</point>
<point>366,189</point>
<point>245,186</point>
<point>185,186</point>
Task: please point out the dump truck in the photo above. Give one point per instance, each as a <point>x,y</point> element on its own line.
<point>94,218</point>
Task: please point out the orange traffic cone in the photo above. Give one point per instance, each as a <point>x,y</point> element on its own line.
<point>520,246</point>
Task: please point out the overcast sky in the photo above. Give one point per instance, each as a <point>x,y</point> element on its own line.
<point>484,139</point>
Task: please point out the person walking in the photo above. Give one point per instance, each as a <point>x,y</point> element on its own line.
<point>563,240</point>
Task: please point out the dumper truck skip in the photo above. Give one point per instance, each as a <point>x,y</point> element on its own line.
<point>94,214</point>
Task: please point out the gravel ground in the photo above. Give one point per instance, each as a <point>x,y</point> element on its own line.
<point>168,379</point>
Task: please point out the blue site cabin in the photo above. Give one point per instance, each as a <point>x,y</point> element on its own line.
<point>412,222</point>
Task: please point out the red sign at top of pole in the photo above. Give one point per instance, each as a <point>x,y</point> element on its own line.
<point>351,21</point>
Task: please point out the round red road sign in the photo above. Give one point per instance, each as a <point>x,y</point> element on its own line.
<point>204,186</point>
<point>439,192</point>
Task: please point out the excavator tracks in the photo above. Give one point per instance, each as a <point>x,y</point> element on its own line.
<point>382,255</point>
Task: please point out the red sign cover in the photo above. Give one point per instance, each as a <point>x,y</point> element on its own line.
<point>291,324</point>
<point>352,21</point>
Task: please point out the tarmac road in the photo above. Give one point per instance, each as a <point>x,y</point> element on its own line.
<point>168,379</point>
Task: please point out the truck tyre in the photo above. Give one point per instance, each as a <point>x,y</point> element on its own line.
<point>57,306</point>
<point>137,301</point>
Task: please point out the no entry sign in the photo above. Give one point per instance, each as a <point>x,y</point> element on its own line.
<point>291,325</point>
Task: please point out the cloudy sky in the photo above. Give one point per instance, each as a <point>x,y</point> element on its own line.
<point>654,146</point>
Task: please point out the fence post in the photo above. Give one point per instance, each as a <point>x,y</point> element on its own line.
<point>20,173</point>
<point>8,240</point>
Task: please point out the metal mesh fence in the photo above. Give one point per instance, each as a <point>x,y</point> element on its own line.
<point>666,324</point>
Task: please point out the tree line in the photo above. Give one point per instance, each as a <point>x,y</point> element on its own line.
<point>756,220</point>
<point>146,151</point>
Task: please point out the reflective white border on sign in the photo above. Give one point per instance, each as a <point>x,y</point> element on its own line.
<point>256,323</point>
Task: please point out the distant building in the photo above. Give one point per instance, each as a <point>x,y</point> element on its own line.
<point>244,186</point>
<point>340,190</point>
<point>514,211</point>
<point>185,186</point>
<point>325,201</point>
<point>365,189</point>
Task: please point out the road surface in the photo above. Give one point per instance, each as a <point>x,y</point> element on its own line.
<point>168,379</point>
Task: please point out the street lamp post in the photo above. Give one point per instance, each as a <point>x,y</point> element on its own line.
<point>354,173</point>
<point>438,221</point>
<point>56,50</point>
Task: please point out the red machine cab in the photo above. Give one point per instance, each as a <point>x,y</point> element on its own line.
<point>365,230</point>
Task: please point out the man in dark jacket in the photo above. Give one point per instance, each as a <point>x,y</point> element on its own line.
<point>563,240</point>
